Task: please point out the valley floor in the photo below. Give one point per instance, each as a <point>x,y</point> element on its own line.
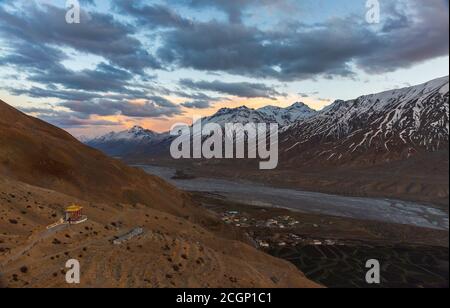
<point>376,209</point>
<point>333,250</point>
<point>327,238</point>
<point>423,179</point>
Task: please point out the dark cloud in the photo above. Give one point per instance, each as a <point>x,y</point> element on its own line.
<point>326,49</point>
<point>70,121</point>
<point>154,108</point>
<point>198,96</point>
<point>235,9</point>
<point>98,34</point>
<point>73,95</point>
<point>38,110</point>
<point>151,15</point>
<point>241,89</point>
<point>412,34</point>
<point>197,104</point>
<point>81,112</point>
<point>409,34</point>
<point>162,102</point>
<point>308,94</point>
<point>29,57</point>
<point>213,46</point>
<point>90,104</point>
<point>66,119</point>
<point>238,49</point>
<point>36,92</point>
<point>104,78</point>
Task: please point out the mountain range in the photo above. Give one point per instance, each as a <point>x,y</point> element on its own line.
<point>390,144</point>
<point>268,114</point>
<point>383,127</point>
<point>139,141</point>
<point>387,126</point>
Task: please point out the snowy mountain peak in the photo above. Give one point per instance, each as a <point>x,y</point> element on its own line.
<point>301,111</point>
<point>136,129</point>
<point>134,134</point>
<point>389,125</point>
<point>223,111</point>
<point>299,105</point>
<point>241,114</point>
<point>267,114</point>
<point>289,115</point>
<point>140,131</point>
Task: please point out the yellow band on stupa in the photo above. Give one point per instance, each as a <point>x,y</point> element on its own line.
<point>74,208</point>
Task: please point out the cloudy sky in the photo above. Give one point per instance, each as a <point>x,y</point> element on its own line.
<point>157,62</point>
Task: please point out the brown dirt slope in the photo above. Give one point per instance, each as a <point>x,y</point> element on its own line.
<point>40,154</point>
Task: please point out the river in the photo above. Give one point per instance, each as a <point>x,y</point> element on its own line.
<point>376,209</point>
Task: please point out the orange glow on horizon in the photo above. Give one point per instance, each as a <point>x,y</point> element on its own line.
<point>164,124</point>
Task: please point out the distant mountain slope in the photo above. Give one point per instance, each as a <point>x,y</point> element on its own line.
<point>383,127</point>
<point>119,144</point>
<point>372,129</point>
<point>141,142</point>
<point>135,134</point>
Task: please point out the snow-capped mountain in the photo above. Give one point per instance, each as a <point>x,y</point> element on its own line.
<point>241,115</point>
<point>138,139</point>
<point>289,115</point>
<point>124,142</point>
<point>135,134</point>
<point>386,126</point>
<point>268,114</point>
<point>392,125</point>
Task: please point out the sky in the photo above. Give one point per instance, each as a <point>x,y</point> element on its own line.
<point>158,62</point>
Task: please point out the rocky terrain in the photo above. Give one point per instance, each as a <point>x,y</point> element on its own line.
<point>43,170</point>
